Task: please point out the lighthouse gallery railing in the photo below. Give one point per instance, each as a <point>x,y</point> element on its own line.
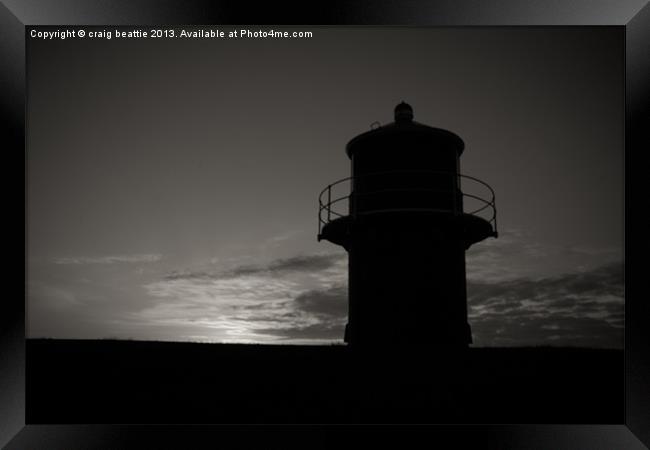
<point>332,208</point>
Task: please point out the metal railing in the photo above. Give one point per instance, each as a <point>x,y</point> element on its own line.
<point>332,208</point>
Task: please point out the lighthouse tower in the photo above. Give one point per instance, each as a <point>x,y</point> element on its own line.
<point>406,217</point>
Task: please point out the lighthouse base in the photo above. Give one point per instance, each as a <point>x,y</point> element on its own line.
<point>407,282</point>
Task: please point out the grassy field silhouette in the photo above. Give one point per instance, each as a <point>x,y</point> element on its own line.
<point>112,381</point>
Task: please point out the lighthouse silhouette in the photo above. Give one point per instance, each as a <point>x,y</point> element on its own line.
<point>406,216</point>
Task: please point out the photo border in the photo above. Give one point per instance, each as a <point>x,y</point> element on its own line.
<point>632,15</point>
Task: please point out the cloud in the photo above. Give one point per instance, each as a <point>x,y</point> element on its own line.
<point>516,255</point>
<point>307,262</point>
<point>275,242</point>
<point>314,264</point>
<point>580,308</point>
<point>303,298</point>
<point>97,297</point>
<point>297,298</point>
<point>327,303</point>
<point>301,263</point>
<point>326,310</point>
<point>112,259</point>
<point>322,331</point>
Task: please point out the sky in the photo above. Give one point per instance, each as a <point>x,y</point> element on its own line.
<point>172,184</point>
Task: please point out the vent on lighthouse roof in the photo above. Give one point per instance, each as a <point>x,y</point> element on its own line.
<point>403,113</point>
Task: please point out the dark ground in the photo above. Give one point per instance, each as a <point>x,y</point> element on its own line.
<point>105,381</point>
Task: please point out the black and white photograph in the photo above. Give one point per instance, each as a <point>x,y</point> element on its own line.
<point>468,185</point>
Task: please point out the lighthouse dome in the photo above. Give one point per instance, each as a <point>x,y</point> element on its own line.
<point>404,128</point>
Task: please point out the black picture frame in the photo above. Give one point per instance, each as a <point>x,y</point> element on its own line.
<point>633,15</point>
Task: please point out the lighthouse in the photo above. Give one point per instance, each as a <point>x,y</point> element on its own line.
<point>406,216</point>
